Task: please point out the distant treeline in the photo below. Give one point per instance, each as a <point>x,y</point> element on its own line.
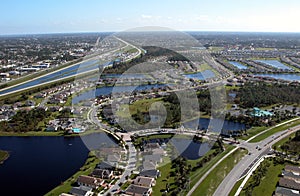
<point>152,52</point>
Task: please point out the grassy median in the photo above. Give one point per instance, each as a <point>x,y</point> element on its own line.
<point>212,181</point>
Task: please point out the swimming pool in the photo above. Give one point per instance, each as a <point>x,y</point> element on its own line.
<point>77,130</point>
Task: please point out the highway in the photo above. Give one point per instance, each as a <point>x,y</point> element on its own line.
<point>245,165</point>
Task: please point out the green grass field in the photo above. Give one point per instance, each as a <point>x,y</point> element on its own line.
<point>194,175</point>
<point>212,181</point>
<point>268,183</point>
<point>278,144</point>
<point>236,186</point>
<point>252,131</point>
<point>274,130</point>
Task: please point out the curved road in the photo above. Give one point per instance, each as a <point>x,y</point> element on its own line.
<point>244,166</point>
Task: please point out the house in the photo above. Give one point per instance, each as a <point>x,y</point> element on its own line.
<point>291,175</point>
<point>65,194</point>
<point>89,181</point>
<point>280,191</point>
<point>102,173</point>
<point>52,128</point>
<point>55,108</point>
<point>81,191</point>
<point>105,165</point>
<point>156,158</point>
<point>114,159</point>
<point>291,168</point>
<point>144,181</point>
<point>40,95</point>
<point>149,165</point>
<point>159,151</point>
<point>150,173</point>
<point>29,103</point>
<point>290,184</point>
<point>151,146</point>
<point>138,190</point>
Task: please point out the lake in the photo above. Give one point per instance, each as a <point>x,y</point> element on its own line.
<point>201,75</point>
<point>38,164</point>
<point>238,65</point>
<point>189,149</point>
<point>274,63</point>
<point>106,90</point>
<point>288,77</point>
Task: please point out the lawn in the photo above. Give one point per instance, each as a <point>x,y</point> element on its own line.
<point>32,133</point>
<point>236,186</point>
<point>86,169</point>
<point>278,144</point>
<point>212,181</point>
<point>268,183</point>
<point>252,131</point>
<point>194,175</point>
<point>163,179</point>
<point>274,130</point>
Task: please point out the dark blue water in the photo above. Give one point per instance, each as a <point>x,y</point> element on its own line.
<point>201,75</point>
<point>189,149</point>
<point>217,125</point>
<point>109,89</point>
<point>238,65</point>
<point>288,77</point>
<point>78,68</point>
<point>38,164</point>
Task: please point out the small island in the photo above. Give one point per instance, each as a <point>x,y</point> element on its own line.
<point>3,156</point>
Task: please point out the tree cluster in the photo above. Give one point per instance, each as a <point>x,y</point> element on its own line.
<point>263,94</point>
<point>25,121</point>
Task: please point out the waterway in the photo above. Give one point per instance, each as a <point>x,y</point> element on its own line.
<point>73,70</point>
<point>38,164</point>
<point>288,77</point>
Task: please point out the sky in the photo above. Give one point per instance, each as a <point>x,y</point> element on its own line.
<point>63,16</point>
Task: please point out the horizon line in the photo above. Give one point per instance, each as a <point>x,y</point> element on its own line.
<point>187,31</point>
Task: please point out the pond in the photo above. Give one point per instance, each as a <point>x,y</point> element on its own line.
<point>238,65</point>
<point>216,125</point>
<point>207,74</point>
<point>38,164</point>
<point>108,89</point>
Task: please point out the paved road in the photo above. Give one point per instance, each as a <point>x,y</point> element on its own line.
<point>251,147</point>
<point>247,162</point>
<point>132,154</point>
<point>131,166</point>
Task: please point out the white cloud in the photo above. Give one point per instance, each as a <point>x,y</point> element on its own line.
<point>144,16</point>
